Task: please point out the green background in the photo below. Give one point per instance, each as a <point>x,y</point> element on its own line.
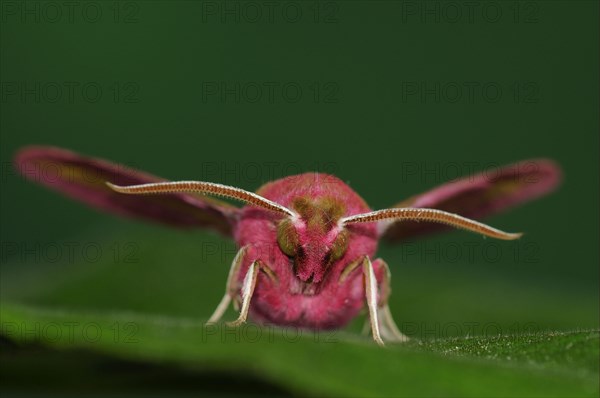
<point>353,62</point>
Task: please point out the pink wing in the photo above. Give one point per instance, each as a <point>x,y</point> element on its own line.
<point>84,178</point>
<point>480,195</point>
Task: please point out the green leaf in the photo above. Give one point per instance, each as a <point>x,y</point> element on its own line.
<point>330,364</point>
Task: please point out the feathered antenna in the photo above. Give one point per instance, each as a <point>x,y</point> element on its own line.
<point>207,188</point>
<point>430,215</point>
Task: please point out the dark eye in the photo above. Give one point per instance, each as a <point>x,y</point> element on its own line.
<point>327,258</point>
<point>287,237</point>
<point>300,253</point>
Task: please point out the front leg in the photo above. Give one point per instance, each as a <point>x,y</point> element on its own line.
<point>371,296</point>
<point>230,289</point>
<point>247,292</point>
<point>380,318</point>
<point>389,330</point>
<point>247,288</point>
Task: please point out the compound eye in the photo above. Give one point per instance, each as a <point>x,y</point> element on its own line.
<point>339,246</point>
<point>287,237</point>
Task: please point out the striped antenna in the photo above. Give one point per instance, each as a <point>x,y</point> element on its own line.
<point>207,188</point>
<point>430,215</point>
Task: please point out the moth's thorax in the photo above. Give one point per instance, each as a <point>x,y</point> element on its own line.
<point>311,245</point>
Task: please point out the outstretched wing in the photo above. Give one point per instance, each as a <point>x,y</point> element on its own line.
<point>84,178</point>
<point>478,195</point>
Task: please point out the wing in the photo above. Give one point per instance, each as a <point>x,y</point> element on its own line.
<point>84,178</point>
<point>478,195</point>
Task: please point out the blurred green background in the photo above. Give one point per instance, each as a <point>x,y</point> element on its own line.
<point>394,97</point>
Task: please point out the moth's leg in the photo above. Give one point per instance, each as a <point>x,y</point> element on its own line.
<point>371,296</point>
<point>230,288</point>
<point>247,292</point>
<point>389,330</point>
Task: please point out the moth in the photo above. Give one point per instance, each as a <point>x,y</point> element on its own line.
<point>307,243</point>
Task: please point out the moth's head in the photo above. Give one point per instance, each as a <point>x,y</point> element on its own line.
<point>313,239</point>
